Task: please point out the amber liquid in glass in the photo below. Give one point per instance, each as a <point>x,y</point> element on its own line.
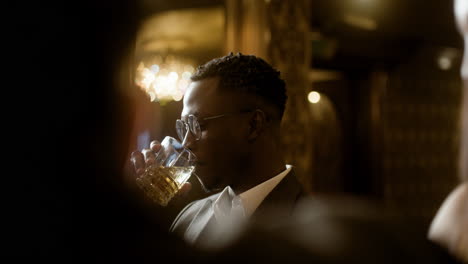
<point>162,183</point>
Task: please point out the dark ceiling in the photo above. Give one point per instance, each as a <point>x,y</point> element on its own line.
<point>401,28</point>
<point>150,7</point>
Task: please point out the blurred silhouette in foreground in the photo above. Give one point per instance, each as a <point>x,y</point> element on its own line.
<point>450,226</point>
<point>75,203</point>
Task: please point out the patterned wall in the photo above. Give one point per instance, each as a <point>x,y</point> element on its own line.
<point>420,135</point>
<point>289,51</point>
<point>278,31</point>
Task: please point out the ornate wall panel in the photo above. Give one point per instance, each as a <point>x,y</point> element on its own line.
<point>278,31</point>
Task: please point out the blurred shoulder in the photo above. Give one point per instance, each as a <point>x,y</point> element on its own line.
<point>186,215</point>
<point>450,225</point>
<point>343,229</point>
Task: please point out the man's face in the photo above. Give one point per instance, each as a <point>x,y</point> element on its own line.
<point>222,149</point>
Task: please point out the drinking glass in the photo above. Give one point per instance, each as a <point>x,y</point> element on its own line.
<point>173,167</point>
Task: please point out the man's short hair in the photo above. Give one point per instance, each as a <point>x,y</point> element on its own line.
<point>248,74</point>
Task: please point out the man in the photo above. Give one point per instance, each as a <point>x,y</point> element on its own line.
<point>450,226</point>
<point>231,120</point>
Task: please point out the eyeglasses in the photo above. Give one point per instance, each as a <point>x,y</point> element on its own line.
<point>192,124</point>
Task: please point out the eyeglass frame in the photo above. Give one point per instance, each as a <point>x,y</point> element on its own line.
<point>190,126</point>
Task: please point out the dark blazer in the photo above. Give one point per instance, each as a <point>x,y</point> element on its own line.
<point>281,200</point>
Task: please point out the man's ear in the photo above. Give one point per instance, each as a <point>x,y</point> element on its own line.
<point>257,125</point>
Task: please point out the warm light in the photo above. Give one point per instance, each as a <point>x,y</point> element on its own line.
<point>186,75</point>
<point>165,80</point>
<point>189,68</point>
<point>173,76</point>
<point>148,78</point>
<point>178,95</point>
<point>445,63</point>
<point>360,22</point>
<point>154,68</point>
<point>313,97</point>
<point>152,96</point>
<point>446,57</point>
<point>365,1</point>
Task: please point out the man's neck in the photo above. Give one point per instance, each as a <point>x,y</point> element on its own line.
<point>259,174</point>
<point>266,162</point>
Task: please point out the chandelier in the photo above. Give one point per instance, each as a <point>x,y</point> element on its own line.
<point>164,79</point>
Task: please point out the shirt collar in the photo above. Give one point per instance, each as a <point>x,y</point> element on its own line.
<point>253,197</point>
<point>229,205</point>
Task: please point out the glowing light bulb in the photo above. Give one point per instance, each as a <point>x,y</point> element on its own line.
<point>154,68</point>
<point>313,97</point>
<point>444,63</point>
<point>173,76</point>
<point>186,75</point>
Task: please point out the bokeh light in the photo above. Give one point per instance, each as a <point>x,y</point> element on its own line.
<point>313,97</point>
<point>165,79</point>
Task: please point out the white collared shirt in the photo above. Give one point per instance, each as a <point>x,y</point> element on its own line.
<point>225,217</point>
<point>248,201</point>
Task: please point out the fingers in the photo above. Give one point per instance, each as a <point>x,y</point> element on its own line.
<point>145,158</point>
<point>138,160</point>
<point>150,156</point>
<point>155,146</point>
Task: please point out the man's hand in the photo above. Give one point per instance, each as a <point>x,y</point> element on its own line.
<point>145,158</point>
